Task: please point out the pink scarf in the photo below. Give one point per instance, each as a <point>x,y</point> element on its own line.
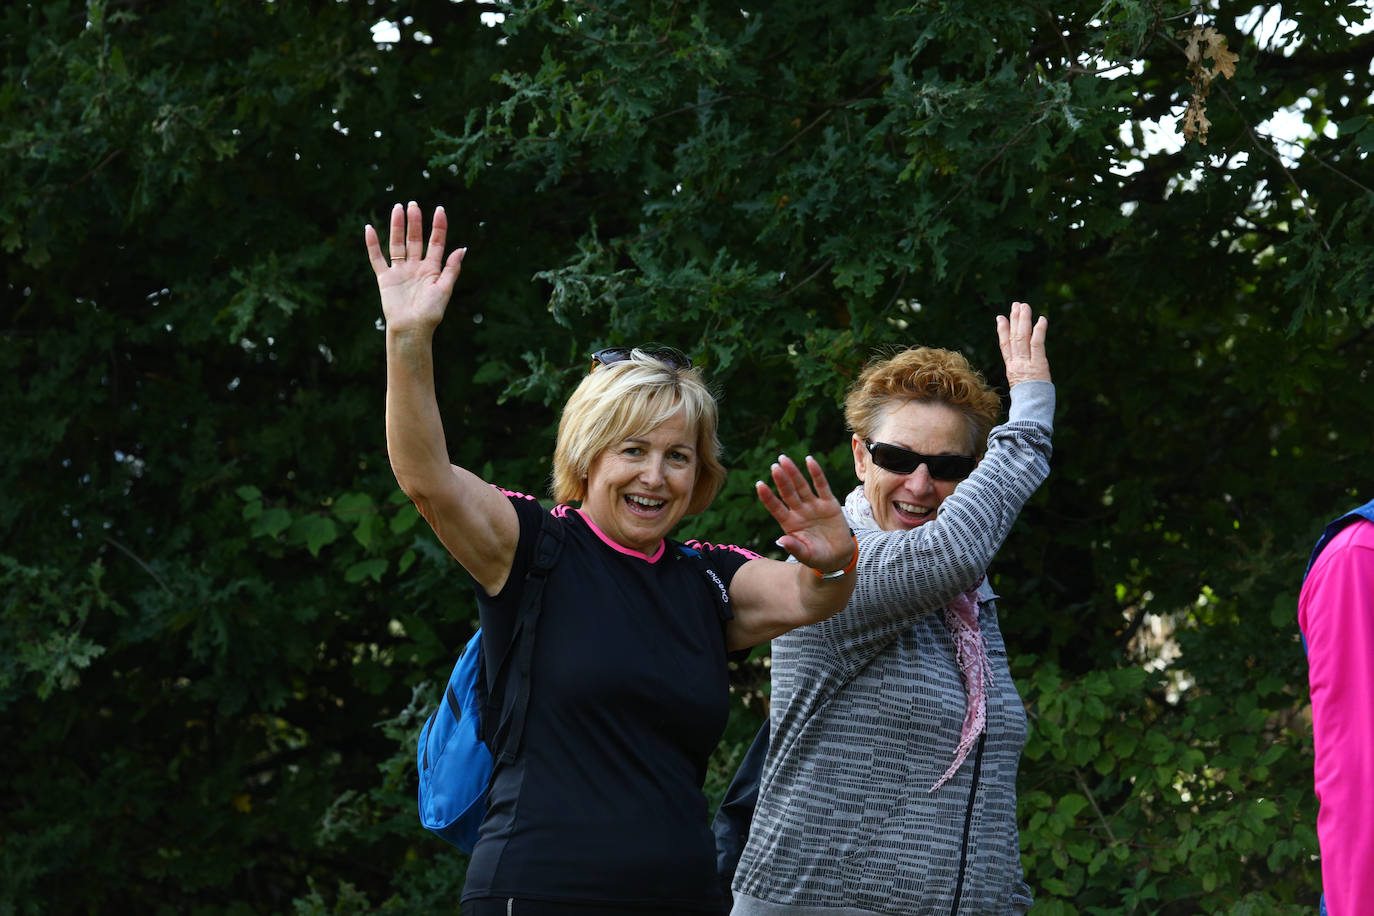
<point>961,618</point>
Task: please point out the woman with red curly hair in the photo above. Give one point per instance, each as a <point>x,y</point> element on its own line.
<point>889,785</point>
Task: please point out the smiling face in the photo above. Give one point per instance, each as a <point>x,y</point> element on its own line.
<point>638,489</point>
<point>904,501</point>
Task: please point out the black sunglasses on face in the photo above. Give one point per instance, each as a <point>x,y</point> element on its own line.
<point>900,460</point>
<point>666,355</point>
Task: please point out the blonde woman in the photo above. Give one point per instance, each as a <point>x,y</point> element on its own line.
<point>601,811</point>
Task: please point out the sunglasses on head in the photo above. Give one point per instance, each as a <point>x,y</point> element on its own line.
<point>900,460</point>
<point>666,355</point>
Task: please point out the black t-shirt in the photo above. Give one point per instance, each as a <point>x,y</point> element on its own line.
<point>628,697</point>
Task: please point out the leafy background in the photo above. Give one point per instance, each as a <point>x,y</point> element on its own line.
<point>220,626</point>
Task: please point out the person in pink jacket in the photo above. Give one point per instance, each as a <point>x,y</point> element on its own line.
<point>1336,614</point>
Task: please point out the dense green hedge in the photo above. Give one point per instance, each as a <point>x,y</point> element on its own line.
<point>220,626</point>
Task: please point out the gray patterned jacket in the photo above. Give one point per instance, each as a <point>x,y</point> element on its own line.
<point>866,713</point>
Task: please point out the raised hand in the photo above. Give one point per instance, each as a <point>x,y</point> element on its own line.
<point>813,524</point>
<point>417,283</point>
<point>1023,347</point>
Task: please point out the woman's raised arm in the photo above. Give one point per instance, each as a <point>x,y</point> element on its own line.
<point>474,521</point>
<point>907,574</point>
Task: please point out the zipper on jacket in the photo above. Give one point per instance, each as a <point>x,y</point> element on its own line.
<point>968,823</point>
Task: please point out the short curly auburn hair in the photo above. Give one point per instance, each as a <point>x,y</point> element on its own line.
<point>922,374</point>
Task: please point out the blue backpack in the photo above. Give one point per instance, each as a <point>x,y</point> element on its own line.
<point>453,753</point>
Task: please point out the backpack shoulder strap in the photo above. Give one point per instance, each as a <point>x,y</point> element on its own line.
<point>546,550</point>
<point>1366,512</point>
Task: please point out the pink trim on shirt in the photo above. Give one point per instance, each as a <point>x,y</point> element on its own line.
<point>704,545</point>
<point>1336,613</point>
<point>614,546</point>
<point>511,492</point>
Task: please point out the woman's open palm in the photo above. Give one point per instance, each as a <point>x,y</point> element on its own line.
<point>416,284</point>
<point>1023,345</point>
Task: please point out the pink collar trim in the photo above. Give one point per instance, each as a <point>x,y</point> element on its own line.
<point>652,558</point>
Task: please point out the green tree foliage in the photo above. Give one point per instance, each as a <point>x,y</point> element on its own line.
<point>219,624</point>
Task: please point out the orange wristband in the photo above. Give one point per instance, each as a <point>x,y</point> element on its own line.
<point>840,573</point>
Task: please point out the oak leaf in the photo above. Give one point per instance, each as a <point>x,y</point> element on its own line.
<point>1200,44</point>
<point>1195,121</point>
<point>1191,49</point>
<point>1223,60</point>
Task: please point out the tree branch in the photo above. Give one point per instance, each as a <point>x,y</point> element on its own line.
<point>133,556</point>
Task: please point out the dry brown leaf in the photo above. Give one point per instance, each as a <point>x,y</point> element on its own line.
<point>1224,62</point>
<point>1202,43</point>
<point>1191,49</point>
<point>1195,122</point>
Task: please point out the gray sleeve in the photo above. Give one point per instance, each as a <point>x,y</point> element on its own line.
<point>903,575</point>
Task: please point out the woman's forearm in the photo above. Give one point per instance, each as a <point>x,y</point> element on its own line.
<point>415,440</point>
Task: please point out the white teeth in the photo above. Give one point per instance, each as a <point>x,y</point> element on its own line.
<point>646,501</point>
<point>910,509</point>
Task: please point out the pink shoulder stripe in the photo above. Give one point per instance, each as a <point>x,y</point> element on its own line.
<point>511,493</point>
<point>705,545</point>
<point>652,558</point>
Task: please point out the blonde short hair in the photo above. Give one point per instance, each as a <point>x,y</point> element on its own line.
<point>629,398</point>
<point>922,374</point>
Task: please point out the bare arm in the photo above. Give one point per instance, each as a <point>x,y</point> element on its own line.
<point>474,521</point>
<point>772,597</point>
